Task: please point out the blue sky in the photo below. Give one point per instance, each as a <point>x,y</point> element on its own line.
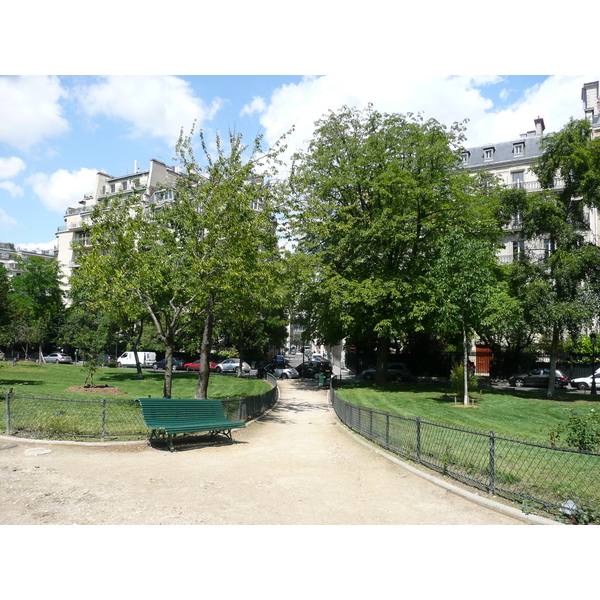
<point>56,132</point>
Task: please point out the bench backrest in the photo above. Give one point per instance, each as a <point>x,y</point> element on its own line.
<point>161,409</point>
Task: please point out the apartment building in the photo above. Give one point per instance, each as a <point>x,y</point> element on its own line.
<point>511,161</point>
<point>10,255</point>
<point>154,185</point>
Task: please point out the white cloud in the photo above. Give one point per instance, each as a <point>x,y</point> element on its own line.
<point>30,110</point>
<point>445,98</point>
<point>6,220</point>
<point>63,188</point>
<point>10,167</point>
<point>152,105</point>
<point>12,188</point>
<point>257,105</point>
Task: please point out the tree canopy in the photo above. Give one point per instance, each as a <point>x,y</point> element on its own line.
<point>376,198</point>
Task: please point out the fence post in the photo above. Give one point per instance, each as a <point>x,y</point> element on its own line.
<point>492,466</point>
<point>8,412</point>
<point>418,439</point>
<point>387,429</point>
<point>103,419</point>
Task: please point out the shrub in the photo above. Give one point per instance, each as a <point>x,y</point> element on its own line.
<point>457,380</point>
<point>580,431</point>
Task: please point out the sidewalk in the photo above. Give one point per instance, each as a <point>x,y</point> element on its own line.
<point>297,466</point>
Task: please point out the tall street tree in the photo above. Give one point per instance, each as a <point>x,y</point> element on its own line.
<point>559,268</point>
<point>376,196</point>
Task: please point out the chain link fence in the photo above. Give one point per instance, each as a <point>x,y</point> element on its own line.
<point>104,419</point>
<point>561,482</point>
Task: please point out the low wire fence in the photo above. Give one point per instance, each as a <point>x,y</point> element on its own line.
<point>104,419</point>
<point>561,482</point>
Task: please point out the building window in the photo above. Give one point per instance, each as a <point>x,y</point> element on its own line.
<point>518,179</point>
<point>112,188</point>
<point>465,157</point>
<point>488,153</point>
<point>519,149</point>
<point>124,186</point>
<point>518,250</point>
<point>549,248</point>
<point>517,220</point>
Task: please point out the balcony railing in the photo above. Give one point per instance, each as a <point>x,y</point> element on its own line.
<point>534,186</point>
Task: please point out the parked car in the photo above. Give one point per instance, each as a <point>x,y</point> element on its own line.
<point>160,364</point>
<point>310,368</point>
<point>537,378</point>
<point>585,383</point>
<point>195,366</point>
<point>395,371</point>
<point>231,365</point>
<point>281,371</point>
<point>58,357</point>
<point>318,358</point>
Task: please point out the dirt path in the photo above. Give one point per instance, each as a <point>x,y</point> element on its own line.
<point>297,465</point>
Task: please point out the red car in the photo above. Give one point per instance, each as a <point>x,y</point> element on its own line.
<point>195,366</point>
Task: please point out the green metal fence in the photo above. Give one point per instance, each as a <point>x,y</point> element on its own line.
<point>557,481</point>
<point>104,419</point>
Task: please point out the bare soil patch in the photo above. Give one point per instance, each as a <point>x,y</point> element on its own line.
<point>96,389</point>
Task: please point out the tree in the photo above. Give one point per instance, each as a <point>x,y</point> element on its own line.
<point>375,197</point>
<point>463,279</point>
<point>37,301</point>
<point>177,260</point>
<point>226,199</point>
<point>99,292</point>
<point>557,274</point>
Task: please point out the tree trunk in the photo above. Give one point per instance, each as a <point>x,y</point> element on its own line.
<point>553,357</point>
<point>138,367</point>
<point>168,381</point>
<point>465,366</point>
<point>383,348</point>
<point>204,371</point>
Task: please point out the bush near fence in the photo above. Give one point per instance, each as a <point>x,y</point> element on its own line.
<point>559,482</point>
<point>104,419</point>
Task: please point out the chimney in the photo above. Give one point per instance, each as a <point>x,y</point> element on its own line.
<point>539,126</point>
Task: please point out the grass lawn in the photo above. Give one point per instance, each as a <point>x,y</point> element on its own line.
<point>53,380</point>
<point>508,412</point>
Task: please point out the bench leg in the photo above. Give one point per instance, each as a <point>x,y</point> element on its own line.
<point>171,446</point>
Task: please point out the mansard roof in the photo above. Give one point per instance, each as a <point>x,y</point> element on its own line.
<point>503,153</point>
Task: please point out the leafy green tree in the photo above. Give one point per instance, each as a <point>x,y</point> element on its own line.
<point>177,261</point>
<point>37,300</point>
<point>556,276</point>
<point>96,292</point>
<point>463,280</point>
<point>375,197</point>
<point>226,200</point>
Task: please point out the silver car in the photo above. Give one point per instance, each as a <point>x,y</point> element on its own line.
<point>231,365</point>
<point>282,371</point>
<point>395,371</point>
<point>58,357</point>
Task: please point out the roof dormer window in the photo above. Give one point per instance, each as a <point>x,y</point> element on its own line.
<point>488,153</point>
<point>519,149</point>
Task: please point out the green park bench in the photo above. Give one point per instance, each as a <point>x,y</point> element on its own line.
<point>171,416</point>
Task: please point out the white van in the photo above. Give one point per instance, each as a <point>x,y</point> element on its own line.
<point>127,359</point>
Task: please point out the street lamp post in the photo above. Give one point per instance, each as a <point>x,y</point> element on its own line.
<point>593,340</point>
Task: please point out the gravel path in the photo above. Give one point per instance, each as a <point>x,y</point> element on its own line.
<point>297,466</point>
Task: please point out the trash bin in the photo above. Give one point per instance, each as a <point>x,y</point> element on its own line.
<point>321,379</point>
